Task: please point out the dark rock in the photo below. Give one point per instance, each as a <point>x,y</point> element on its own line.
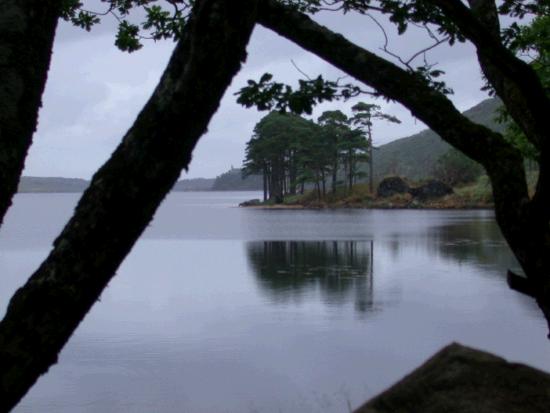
<point>459,379</point>
<point>392,185</point>
<point>431,189</point>
<point>252,202</point>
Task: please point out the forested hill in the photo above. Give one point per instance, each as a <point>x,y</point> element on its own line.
<point>232,180</point>
<point>48,184</point>
<point>228,181</point>
<point>194,184</point>
<point>36,184</point>
<point>415,156</point>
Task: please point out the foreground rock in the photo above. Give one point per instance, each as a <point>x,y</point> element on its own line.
<point>459,379</point>
<point>392,185</point>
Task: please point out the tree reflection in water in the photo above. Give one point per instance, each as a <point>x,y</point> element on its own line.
<point>477,243</point>
<point>291,270</point>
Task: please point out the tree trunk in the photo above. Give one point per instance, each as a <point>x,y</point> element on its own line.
<point>350,177</point>
<point>27,31</point>
<point>318,188</point>
<point>123,195</point>
<point>371,163</point>
<point>264,176</point>
<point>292,174</point>
<point>324,182</point>
<point>334,177</point>
<point>276,183</point>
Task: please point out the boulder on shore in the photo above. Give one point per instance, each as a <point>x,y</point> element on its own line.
<point>251,202</point>
<point>459,379</point>
<point>430,190</point>
<point>392,185</point>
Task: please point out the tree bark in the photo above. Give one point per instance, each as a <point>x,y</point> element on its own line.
<point>515,213</point>
<point>124,195</point>
<point>27,31</point>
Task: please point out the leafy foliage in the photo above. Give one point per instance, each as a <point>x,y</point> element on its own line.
<point>365,113</point>
<point>266,94</point>
<point>521,8</point>
<point>163,19</point>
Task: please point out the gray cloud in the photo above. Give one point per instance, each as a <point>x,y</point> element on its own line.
<point>94,93</point>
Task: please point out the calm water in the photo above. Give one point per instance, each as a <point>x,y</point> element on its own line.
<point>223,309</point>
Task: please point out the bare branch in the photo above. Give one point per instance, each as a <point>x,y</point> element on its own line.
<point>300,70</point>
<point>408,62</point>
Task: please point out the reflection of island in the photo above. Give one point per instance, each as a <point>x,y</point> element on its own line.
<point>476,243</point>
<point>291,270</point>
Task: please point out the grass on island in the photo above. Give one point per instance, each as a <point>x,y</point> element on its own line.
<point>477,194</point>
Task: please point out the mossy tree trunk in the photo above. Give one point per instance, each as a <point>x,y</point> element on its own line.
<point>123,195</point>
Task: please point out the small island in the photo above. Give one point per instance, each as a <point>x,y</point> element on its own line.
<point>332,163</point>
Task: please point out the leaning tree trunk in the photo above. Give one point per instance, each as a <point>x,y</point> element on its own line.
<point>123,196</point>
<point>27,31</point>
<point>518,216</point>
<point>520,89</point>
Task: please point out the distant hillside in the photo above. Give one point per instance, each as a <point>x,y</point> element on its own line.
<point>75,185</point>
<point>415,156</point>
<point>39,184</point>
<point>232,180</point>
<point>195,184</point>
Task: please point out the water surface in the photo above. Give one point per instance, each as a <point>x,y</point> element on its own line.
<point>224,309</point>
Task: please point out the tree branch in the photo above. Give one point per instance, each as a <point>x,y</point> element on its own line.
<point>123,195</point>
<point>407,63</point>
<point>514,80</point>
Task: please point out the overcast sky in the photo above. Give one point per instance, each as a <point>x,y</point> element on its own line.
<point>94,93</point>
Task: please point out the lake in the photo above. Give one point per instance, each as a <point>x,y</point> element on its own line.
<point>226,309</point>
